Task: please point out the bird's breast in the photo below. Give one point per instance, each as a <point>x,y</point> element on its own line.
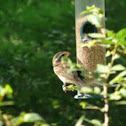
<point>63,79</point>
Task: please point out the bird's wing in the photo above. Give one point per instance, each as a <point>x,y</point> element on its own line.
<point>71,76</point>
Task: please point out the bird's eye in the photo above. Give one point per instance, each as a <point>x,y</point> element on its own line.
<point>63,54</point>
<point>60,56</point>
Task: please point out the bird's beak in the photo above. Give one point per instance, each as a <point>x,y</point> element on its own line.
<point>86,39</point>
<point>67,54</point>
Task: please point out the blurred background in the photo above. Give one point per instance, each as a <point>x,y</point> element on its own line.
<point>31,32</point>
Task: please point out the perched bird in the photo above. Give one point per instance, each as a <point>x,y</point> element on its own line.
<point>85,39</point>
<point>60,69</point>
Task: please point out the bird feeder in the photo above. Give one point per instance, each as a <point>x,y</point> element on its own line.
<point>88,57</point>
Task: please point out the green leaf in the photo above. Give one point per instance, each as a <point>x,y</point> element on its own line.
<point>96,35</point>
<point>2,91</point>
<point>8,89</point>
<point>123,92</point>
<point>95,122</point>
<point>92,107</point>
<point>117,78</point>
<point>117,56</point>
<point>26,118</point>
<point>85,12</point>
<point>95,10</point>
<point>118,67</point>
<point>1,123</point>
<point>111,34</point>
<point>83,105</point>
<point>86,90</point>
<point>91,7</point>
<point>71,86</point>
<point>97,90</point>
<point>121,103</point>
<point>102,68</point>
<point>115,96</point>
<point>6,103</point>
<point>121,33</point>
<point>72,69</point>
<point>32,117</point>
<point>121,36</point>
<point>96,20</point>
<point>107,41</point>
<point>80,121</point>
<point>108,53</point>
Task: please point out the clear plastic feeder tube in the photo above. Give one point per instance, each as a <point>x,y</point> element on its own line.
<point>88,57</point>
<point>80,6</point>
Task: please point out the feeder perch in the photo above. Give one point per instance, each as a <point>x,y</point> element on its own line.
<point>88,57</point>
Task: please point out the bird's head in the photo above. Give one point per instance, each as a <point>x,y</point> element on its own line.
<point>86,38</point>
<point>58,56</point>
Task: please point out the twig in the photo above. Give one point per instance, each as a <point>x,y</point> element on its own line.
<point>6,120</point>
<point>105,87</point>
<point>112,60</point>
<point>106,106</point>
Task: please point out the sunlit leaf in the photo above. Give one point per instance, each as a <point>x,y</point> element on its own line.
<point>70,86</point>
<point>91,7</point>
<point>96,35</point>
<point>32,117</point>
<point>6,103</point>
<point>95,20</point>
<point>111,34</point>
<point>116,79</point>
<point>92,107</point>
<point>123,92</point>
<point>85,12</point>
<point>102,68</point>
<point>8,89</point>
<point>107,41</point>
<point>115,96</point>
<point>117,56</point>
<point>121,33</point>
<point>108,53</point>
<point>121,36</point>
<point>94,10</point>
<point>97,90</point>
<point>118,67</point>
<point>2,91</point>
<point>121,103</point>
<point>80,121</point>
<point>86,90</point>
<point>95,122</point>
<point>83,105</point>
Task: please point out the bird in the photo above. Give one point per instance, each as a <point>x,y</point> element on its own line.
<point>60,69</point>
<point>86,38</point>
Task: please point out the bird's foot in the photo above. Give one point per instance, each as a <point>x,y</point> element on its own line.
<point>65,88</point>
<point>72,89</point>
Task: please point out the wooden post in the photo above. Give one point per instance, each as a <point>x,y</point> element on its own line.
<point>88,57</point>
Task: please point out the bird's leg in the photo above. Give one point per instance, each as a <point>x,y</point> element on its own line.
<point>64,87</point>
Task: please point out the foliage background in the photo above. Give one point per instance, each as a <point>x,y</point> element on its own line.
<point>31,32</point>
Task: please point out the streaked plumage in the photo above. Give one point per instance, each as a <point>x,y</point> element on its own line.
<point>60,69</point>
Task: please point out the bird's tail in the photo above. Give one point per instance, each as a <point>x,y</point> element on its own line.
<point>93,84</point>
<point>96,83</point>
<point>81,84</point>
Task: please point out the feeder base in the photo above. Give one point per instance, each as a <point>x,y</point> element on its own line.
<point>87,96</point>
